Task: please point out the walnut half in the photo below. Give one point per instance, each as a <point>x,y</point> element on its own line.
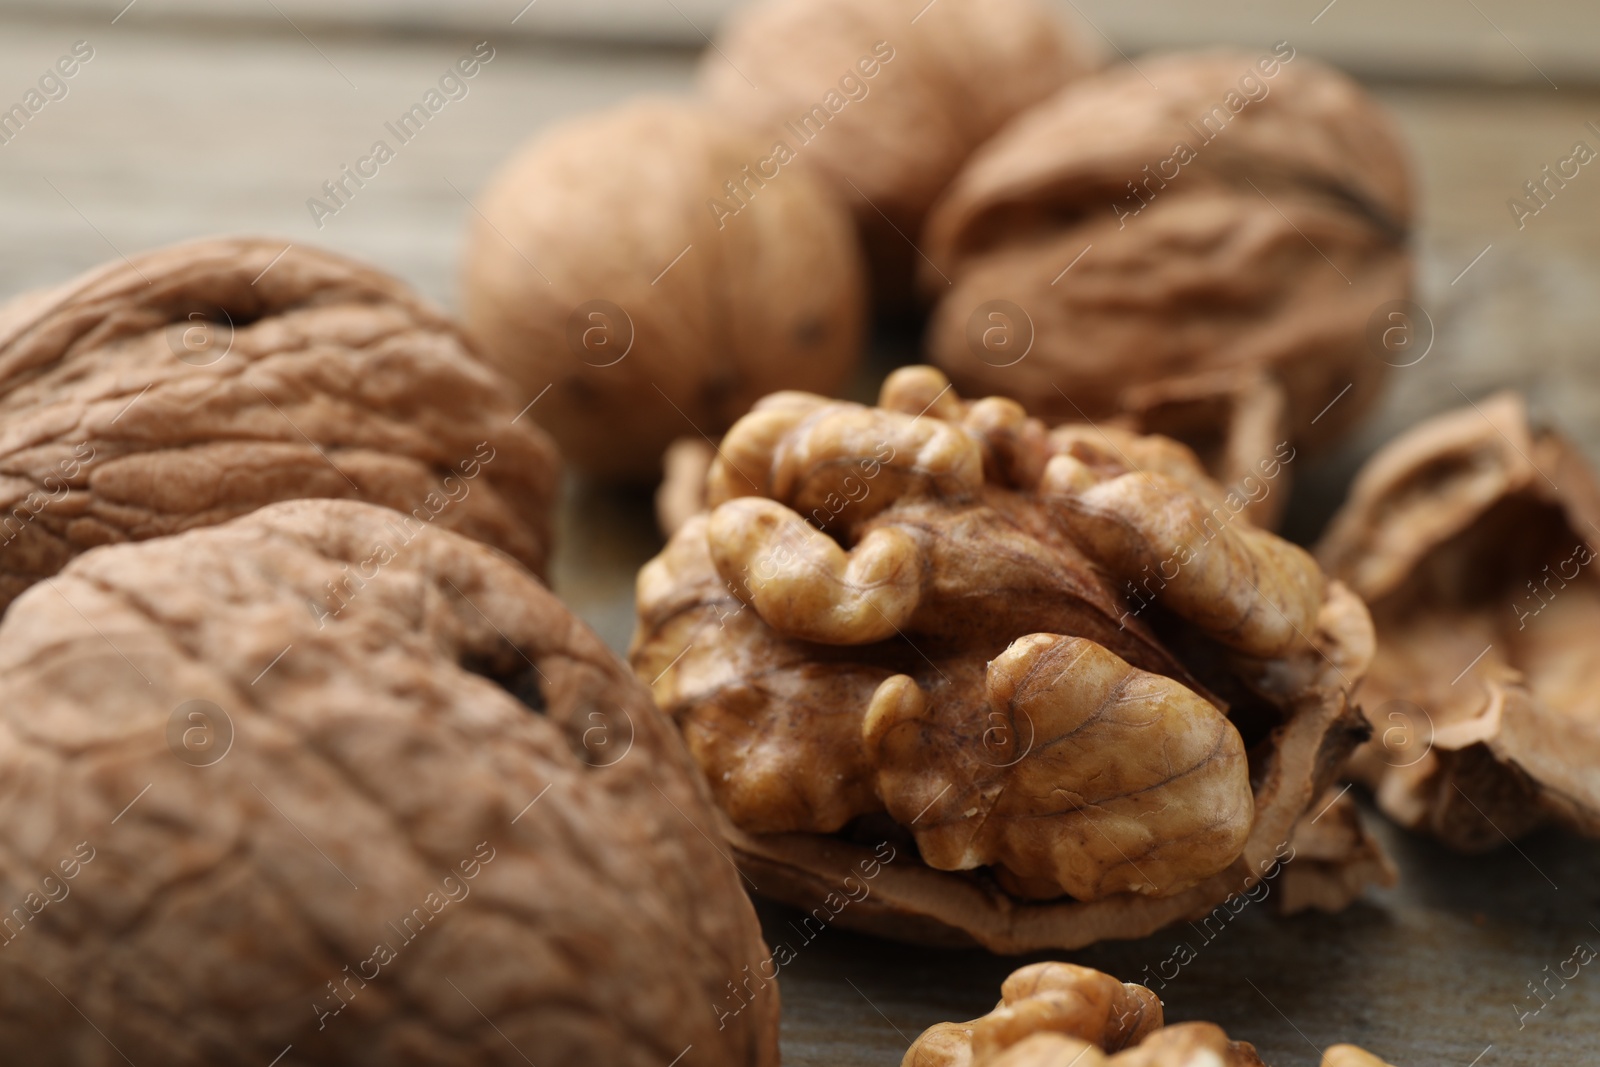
<point>1473,539</point>
<point>1061,1014</point>
<point>1060,671</point>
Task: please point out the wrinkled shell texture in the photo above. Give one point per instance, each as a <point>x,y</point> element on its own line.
<point>1061,1014</point>
<point>598,268</point>
<point>1208,258</point>
<point>1473,537</point>
<point>945,78</point>
<point>437,770</point>
<point>194,384</point>
<point>936,624</point>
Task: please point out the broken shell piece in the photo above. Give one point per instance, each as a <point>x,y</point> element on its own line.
<point>1472,538</point>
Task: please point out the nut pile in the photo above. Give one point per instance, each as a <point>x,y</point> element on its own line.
<point>1061,668</point>
<point>289,714</point>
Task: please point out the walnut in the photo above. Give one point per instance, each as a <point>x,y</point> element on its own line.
<point>446,827</point>
<point>1237,216</point>
<point>616,260</point>
<point>885,101</point>
<point>1335,858</point>
<point>1472,537</point>
<point>193,384</point>
<point>1236,434</point>
<point>1061,1014</point>
<point>907,624</point>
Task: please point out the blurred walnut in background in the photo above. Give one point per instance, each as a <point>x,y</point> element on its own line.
<point>1208,231</point>
<point>885,99</point>
<point>1059,673</point>
<point>196,383</point>
<point>1473,538</point>
<point>608,266</point>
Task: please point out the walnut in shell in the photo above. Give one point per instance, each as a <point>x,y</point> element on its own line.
<point>1237,215</point>
<point>1472,538</point>
<point>447,827</point>
<point>1060,1014</point>
<point>193,384</point>
<point>1060,673</point>
<point>885,100</point>
<point>611,262</point>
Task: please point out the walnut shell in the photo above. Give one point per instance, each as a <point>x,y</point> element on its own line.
<point>455,770</point>
<point>905,627</point>
<point>943,79</point>
<point>1264,248</point>
<point>1061,1014</point>
<point>1236,425</point>
<point>600,266</point>
<point>193,384</point>
<point>1336,858</point>
<point>1472,538</point>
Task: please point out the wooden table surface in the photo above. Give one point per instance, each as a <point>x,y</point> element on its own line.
<point>173,132</point>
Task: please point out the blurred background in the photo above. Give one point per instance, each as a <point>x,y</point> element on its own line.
<point>196,117</point>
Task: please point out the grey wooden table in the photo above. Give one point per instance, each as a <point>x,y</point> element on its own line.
<point>172,131</point>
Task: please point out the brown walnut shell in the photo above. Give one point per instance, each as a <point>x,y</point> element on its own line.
<point>1261,243</point>
<point>193,384</point>
<point>1336,858</point>
<point>1064,1015</point>
<point>446,827</point>
<point>601,267</point>
<point>1473,539</point>
<point>904,628</point>
<point>885,100</point>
